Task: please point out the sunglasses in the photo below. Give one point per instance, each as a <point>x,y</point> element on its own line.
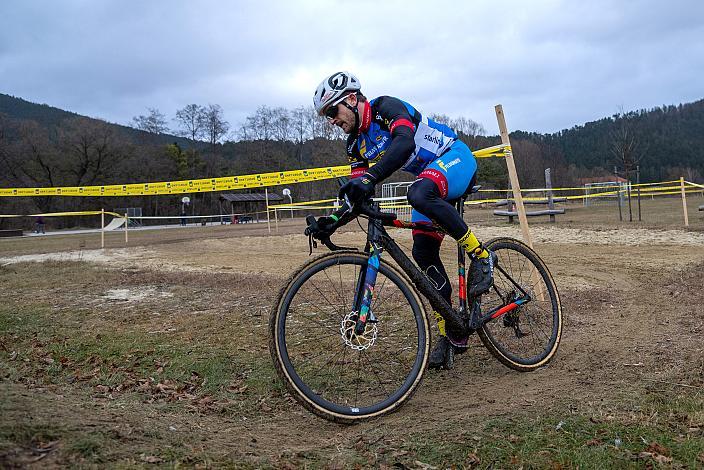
<point>332,112</point>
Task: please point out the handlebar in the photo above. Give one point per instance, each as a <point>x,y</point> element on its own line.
<point>370,211</point>
<point>341,217</point>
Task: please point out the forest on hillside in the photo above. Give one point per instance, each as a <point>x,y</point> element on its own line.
<point>41,146</point>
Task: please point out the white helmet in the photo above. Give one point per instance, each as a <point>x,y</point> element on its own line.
<point>334,89</point>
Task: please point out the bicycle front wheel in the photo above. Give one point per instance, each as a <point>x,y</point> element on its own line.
<point>333,372</point>
<point>526,337</point>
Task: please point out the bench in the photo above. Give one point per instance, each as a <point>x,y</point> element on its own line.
<point>530,214</point>
<point>701,208</point>
<point>548,200</point>
<point>505,202</point>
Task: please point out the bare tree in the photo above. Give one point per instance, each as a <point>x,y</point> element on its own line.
<point>92,149</point>
<point>461,125</point>
<point>281,123</point>
<point>216,127</point>
<point>154,122</point>
<point>625,149</point>
<point>299,125</point>
<point>192,121</point>
<point>33,158</point>
<point>624,146</point>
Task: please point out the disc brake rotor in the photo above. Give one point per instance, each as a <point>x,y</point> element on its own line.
<point>353,340</point>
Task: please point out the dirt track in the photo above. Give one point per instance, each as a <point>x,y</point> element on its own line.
<point>625,332</point>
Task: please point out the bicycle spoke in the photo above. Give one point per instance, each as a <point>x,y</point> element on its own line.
<point>339,368</point>
<point>527,334</point>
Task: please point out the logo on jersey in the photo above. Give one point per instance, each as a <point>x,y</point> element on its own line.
<point>376,150</point>
<point>446,166</point>
<point>432,138</point>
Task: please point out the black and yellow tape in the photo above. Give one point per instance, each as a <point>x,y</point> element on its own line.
<point>227,183</point>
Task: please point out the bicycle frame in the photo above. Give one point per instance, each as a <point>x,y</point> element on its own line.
<point>378,240</point>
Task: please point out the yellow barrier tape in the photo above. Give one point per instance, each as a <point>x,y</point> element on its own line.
<point>496,151</point>
<point>63,214</point>
<point>226,183</point>
<point>188,186</point>
<point>295,204</point>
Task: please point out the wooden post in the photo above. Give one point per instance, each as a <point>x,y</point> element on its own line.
<point>518,200</point>
<point>548,186</point>
<point>684,202</point>
<point>513,176</point>
<point>266,199</point>
<point>127,222</point>
<point>276,220</point>
<point>102,228</point>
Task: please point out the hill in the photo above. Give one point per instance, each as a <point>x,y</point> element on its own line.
<point>666,141</point>
<point>49,116</point>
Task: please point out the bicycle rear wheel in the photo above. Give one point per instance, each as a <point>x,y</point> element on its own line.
<point>528,336</point>
<point>329,370</point>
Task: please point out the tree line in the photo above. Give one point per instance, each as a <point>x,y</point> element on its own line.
<point>42,146</point>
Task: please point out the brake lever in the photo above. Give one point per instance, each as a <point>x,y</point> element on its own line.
<point>311,244</point>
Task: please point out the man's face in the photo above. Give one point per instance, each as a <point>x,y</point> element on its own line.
<point>345,117</point>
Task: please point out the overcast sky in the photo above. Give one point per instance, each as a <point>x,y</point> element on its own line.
<point>552,64</point>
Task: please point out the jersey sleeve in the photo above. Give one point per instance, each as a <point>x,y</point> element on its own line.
<point>395,115</point>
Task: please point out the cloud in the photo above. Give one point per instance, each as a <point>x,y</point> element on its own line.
<point>552,64</point>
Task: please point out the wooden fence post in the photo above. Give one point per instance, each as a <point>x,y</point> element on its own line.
<point>684,202</point>
<point>548,186</point>
<point>513,176</point>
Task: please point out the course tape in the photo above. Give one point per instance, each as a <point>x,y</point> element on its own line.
<point>226,183</point>
<point>63,214</point>
<point>188,186</point>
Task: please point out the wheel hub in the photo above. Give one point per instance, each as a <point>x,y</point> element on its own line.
<point>352,339</point>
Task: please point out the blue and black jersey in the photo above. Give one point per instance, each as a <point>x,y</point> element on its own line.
<point>395,130</point>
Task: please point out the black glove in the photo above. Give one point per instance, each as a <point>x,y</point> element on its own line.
<point>357,189</point>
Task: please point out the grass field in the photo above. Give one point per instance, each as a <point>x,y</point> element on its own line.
<point>156,353</point>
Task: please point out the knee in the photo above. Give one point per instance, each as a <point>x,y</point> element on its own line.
<point>421,193</point>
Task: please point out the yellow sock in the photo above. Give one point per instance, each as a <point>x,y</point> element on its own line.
<point>472,245</point>
<point>441,323</point>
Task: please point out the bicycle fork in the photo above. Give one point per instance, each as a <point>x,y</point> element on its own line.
<point>365,287</point>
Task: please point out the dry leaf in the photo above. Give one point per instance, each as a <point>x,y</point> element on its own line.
<point>472,460</point>
<point>150,458</point>
<point>656,448</point>
<point>424,466</point>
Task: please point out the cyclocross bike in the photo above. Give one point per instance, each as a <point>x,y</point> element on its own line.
<point>350,337</point>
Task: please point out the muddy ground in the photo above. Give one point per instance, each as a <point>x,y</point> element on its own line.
<point>632,297</point>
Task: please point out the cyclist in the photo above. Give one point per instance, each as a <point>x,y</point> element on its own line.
<point>395,135</point>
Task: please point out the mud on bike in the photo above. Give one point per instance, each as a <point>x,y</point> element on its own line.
<point>349,333</point>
